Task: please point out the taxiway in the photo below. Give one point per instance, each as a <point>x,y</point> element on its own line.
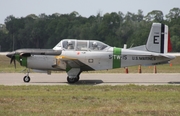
<point>92,79</point>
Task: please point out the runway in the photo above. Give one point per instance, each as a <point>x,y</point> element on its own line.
<point>92,79</point>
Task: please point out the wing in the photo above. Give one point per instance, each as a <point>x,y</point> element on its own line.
<point>71,63</point>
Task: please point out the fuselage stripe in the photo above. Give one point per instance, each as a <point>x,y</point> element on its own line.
<point>21,60</point>
<point>116,57</point>
<point>162,38</point>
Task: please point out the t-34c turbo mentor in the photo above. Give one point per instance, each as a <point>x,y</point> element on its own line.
<point>75,56</point>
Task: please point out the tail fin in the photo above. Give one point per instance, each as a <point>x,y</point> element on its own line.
<point>159,39</point>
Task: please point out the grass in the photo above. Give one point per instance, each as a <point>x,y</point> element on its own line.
<point>6,67</point>
<point>90,100</point>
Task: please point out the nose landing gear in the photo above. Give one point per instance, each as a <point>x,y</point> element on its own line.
<point>26,78</point>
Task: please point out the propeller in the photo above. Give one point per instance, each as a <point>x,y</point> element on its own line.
<point>12,56</point>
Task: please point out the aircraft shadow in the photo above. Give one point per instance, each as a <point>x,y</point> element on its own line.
<point>96,82</point>
<point>89,82</point>
<point>80,82</point>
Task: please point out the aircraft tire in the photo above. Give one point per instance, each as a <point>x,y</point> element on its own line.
<point>26,79</point>
<point>72,80</point>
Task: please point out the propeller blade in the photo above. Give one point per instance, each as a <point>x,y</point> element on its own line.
<point>14,63</point>
<point>12,59</point>
<point>12,56</point>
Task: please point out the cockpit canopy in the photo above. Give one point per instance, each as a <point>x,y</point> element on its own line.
<point>81,45</point>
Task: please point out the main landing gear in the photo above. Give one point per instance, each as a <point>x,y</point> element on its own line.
<point>26,78</point>
<point>72,80</point>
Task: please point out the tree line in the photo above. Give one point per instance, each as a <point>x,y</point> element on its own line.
<point>115,29</point>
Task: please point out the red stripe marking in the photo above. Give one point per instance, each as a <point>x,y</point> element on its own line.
<point>169,43</point>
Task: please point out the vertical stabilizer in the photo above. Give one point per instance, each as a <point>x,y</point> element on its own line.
<point>159,39</point>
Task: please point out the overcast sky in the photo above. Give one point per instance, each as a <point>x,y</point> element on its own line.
<point>86,8</point>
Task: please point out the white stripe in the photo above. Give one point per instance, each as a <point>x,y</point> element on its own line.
<point>166,39</point>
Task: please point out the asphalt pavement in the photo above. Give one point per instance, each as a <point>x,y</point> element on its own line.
<point>92,79</point>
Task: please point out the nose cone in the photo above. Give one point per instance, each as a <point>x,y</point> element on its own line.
<point>11,54</point>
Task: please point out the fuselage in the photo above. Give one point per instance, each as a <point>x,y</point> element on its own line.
<point>96,60</point>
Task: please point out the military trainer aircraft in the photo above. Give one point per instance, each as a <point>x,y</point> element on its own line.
<point>75,56</point>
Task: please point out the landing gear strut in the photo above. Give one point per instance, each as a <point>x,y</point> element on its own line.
<point>26,78</point>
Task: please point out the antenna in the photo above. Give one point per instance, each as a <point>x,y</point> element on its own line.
<point>131,45</point>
